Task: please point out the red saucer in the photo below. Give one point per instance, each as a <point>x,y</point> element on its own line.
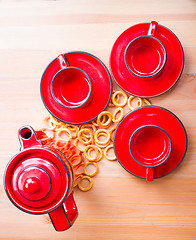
<point>101,83</point>
<point>147,87</point>
<point>150,115</point>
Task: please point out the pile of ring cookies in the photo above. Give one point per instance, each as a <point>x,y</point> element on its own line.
<point>94,139</point>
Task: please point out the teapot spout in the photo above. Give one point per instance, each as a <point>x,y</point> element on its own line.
<point>27,138</point>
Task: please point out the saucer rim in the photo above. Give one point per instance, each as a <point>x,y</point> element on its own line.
<point>109,76</point>
<point>144,96</point>
<point>152,106</point>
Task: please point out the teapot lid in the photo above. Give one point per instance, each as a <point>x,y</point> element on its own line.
<point>36,179</point>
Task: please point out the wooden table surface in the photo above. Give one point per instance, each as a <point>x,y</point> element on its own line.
<point>120,206</point>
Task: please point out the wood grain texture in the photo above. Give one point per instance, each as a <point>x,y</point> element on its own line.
<point>120,206</point>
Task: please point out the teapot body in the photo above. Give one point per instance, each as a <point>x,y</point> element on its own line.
<point>40,179</point>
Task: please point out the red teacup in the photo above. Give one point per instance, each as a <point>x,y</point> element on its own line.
<point>71,87</point>
<point>145,56</point>
<point>39,179</point>
<point>150,146</point>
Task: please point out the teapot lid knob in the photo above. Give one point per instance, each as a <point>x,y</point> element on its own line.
<point>32,185</point>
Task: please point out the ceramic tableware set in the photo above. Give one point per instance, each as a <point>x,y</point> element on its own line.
<point>146,60</point>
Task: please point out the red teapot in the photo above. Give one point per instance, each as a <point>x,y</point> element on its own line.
<point>39,179</point>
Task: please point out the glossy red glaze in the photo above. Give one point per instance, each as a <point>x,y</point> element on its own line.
<point>150,146</point>
<point>152,28</point>
<point>101,85</point>
<point>70,209</point>
<point>37,158</point>
<point>159,83</point>
<point>33,183</point>
<point>63,62</point>
<point>145,56</point>
<point>71,87</point>
<point>64,214</point>
<point>149,174</point>
<point>38,180</point>
<point>150,115</point>
<point>27,138</point>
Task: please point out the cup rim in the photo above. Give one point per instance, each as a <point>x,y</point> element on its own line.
<point>84,101</point>
<point>150,125</point>
<point>164,61</point>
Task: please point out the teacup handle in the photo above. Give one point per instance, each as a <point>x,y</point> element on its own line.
<point>149,174</point>
<point>63,61</point>
<point>65,215</point>
<point>152,28</point>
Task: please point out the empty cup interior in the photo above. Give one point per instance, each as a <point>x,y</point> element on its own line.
<point>145,56</point>
<point>71,87</point>
<point>150,146</point>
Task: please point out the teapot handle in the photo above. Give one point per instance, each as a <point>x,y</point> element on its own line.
<point>28,138</point>
<point>65,215</point>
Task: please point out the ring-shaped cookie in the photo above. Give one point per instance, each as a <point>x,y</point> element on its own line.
<point>67,133</point>
<point>87,154</point>
<point>106,155</point>
<point>102,132</point>
<point>84,139</point>
<point>100,119</point>
<point>122,113</point>
<point>93,173</point>
<point>84,189</point>
<point>117,104</point>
